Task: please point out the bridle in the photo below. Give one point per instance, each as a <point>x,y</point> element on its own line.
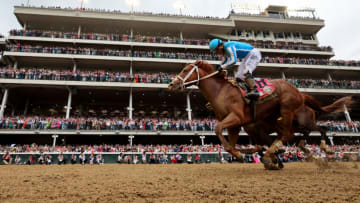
<point>195,68</point>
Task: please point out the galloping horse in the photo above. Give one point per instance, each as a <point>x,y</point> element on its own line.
<point>233,112</point>
<point>304,123</point>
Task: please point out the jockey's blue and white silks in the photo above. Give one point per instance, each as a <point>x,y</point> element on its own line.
<point>234,51</point>
<point>239,50</point>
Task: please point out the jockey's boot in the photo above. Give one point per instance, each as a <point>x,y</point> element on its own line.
<point>252,93</point>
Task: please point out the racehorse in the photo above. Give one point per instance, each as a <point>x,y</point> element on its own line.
<point>232,110</point>
<point>304,123</point>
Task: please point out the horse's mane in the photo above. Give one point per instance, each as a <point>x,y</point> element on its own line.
<point>209,68</point>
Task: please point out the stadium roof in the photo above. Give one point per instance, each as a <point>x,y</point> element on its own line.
<point>104,21</point>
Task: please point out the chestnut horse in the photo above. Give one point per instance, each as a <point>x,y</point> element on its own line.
<point>304,123</point>
<point>233,112</point>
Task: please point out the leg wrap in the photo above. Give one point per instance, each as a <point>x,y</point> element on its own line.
<point>323,144</point>
<point>275,146</point>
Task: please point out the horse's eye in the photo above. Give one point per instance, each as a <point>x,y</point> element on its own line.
<point>185,71</point>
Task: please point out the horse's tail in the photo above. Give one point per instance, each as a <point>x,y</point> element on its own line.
<point>314,104</point>
<point>337,106</point>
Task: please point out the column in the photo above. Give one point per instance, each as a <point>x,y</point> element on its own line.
<point>347,115</point>
<point>54,139</point>
<point>131,68</point>
<point>292,35</point>
<point>74,68</point>
<point>236,32</point>
<point>131,34</point>
<point>175,111</point>
<point>3,103</point>
<point>81,110</point>
<point>15,65</point>
<point>131,137</point>
<point>25,25</point>
<point>329,76</point>
<point>331,140</point>
<point>181,36</point>
<point>272,37</point>
<point>68,107</point>
<point>202,140</point>
<point>79,31</point>
<point>13,110</point>
<point>315,38</point>
<point>130,108</point>
<point>26,106</point>
<point>188,109</point>
<point>283,76</point>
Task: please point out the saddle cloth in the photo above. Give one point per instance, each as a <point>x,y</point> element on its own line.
<point>264,87</point>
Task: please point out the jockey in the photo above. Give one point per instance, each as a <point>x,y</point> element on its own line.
<point>238,50</point>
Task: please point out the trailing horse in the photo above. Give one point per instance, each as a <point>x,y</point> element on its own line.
<point>304,123</point>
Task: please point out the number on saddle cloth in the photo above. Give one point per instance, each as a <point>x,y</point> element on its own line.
<point>264,87</point>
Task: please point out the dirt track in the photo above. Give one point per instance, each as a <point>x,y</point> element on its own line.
<point>298,182</point>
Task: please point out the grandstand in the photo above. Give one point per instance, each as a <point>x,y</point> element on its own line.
<point>86,63</point>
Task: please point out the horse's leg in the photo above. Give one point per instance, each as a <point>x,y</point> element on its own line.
<point>323,139</point>
<point>229,121</point>
<point>233,135</point>
<point>286,134</point>
<point>301,145</point>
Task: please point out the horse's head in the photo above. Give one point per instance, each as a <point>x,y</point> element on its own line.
<point>191,75</point>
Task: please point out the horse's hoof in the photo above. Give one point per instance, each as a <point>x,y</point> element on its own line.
<point>329,152</point>
<point>281,165</point>
<point>271,166</point>
<point>280,151</point>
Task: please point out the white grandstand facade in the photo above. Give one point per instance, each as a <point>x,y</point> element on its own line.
<point>152,44</point>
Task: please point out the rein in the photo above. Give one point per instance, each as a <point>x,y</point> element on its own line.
<point>195,68</point>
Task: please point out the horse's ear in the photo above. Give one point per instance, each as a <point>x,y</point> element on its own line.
<point>198,62</point>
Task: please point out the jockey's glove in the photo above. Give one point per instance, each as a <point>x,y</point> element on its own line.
<point>219,68</point>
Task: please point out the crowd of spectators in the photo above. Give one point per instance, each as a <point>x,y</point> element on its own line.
<point>78,75</point>
<point>167,54</point>
<point>341,126</point>
<point>330,84</point>
<point>109,123</point>
<point>34,148</point>
<point>113,52</point>
<point>308,61</point>
<point>149,123</point>
<point>157,39</point>
<point>110,37</point>
<point>99,10</point>
<point>302,47</point>
<point>295,60</point>
<point>143,77</point>
<point>274,15</point>
<point>92,154</point>
<point>68,50</point>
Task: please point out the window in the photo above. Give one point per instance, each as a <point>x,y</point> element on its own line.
<point>287,35</point>
<point>258,33</point>
<point>307,37</point>
<point>279,35</point>
<point>296,35</point>
<point>266,34</point>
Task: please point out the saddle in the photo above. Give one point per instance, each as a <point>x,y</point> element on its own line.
<point>266,91</point>
<point>264,87</point>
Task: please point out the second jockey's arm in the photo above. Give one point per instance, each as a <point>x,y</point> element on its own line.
<point>231,58</point>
